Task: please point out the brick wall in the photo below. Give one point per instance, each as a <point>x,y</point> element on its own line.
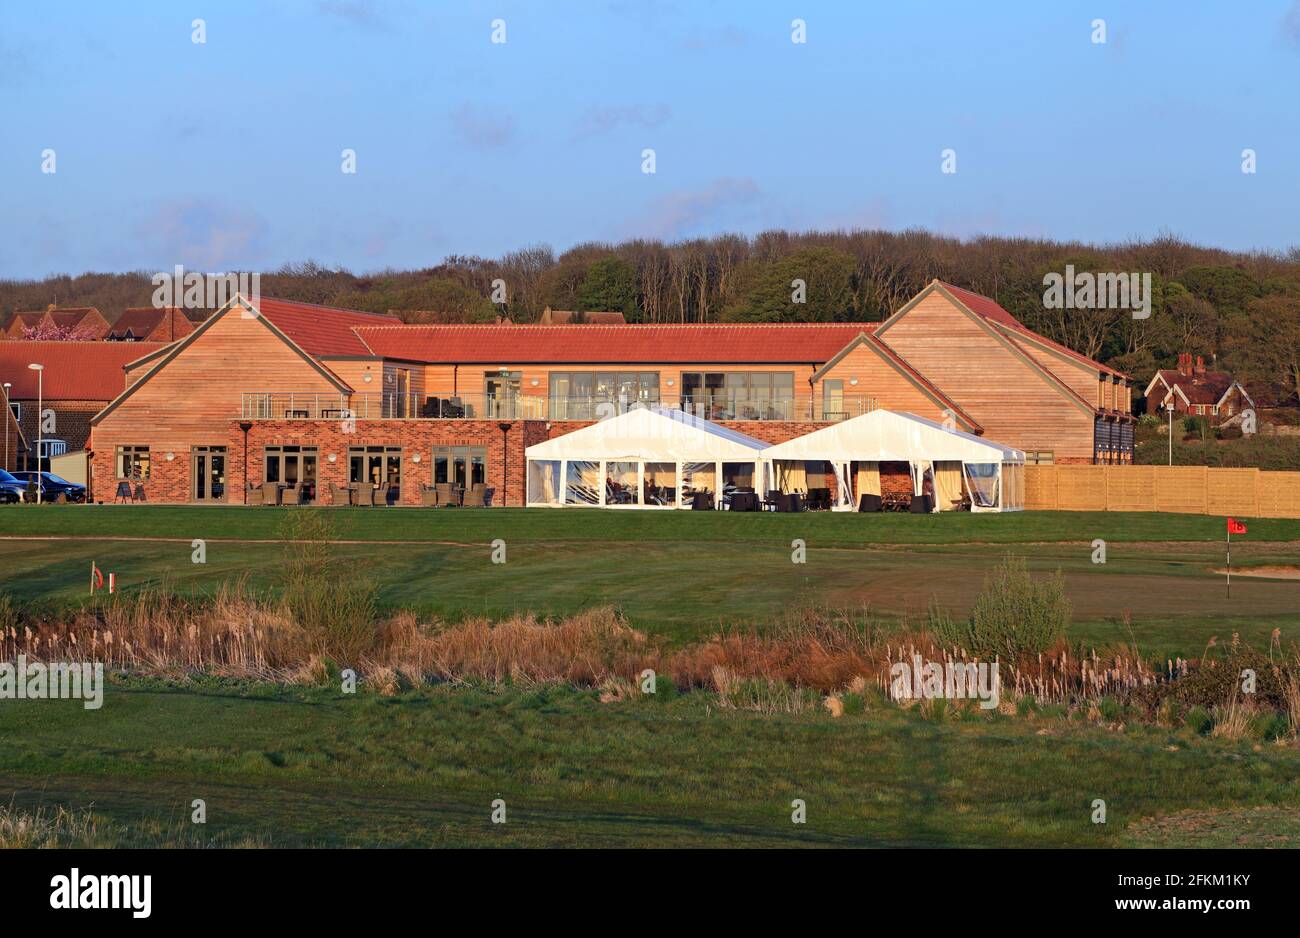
<point>169,480</point>
<point>71,421</point>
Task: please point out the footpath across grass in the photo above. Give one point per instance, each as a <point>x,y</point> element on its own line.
<point>295,766</point>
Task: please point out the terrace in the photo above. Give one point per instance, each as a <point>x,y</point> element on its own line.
<point>309,405</point>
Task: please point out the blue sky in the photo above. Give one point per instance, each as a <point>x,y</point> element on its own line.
<point>226,155</point>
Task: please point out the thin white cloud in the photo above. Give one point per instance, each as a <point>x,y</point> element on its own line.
<point>602,120</point>
<point>689,211</point>
<point>481,129</point>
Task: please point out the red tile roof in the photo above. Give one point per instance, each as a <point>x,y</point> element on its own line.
<point>322,330</point>
<point>748,343</point>
<point>1206,388</point>
<point>989,309</point>
<point>74,371</point>
<point>142,320</point>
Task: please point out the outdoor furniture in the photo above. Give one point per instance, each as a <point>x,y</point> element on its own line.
<point>252,497</point>
<point>443,490</point>
<point>123,492</point>
<point>292,495</point>
<point>920,505</point>
<point>340,496</point>
<point>896,501</point>
<point>431,407</point>
<point>819,499</point>
<point>270,493</point>
<point>744,501</point>
<point>138,495</point>
<point>364,494</point>
<point>702,501</point>
<point>474,496</point>
<point>296,414</point>
<point>428,495</point>
<point>452,407</point>
<point>870,503</point>
<point>488,493</point>
<point>772,500</point>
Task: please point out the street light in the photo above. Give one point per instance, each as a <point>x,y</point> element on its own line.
<point>1169,406</point>
<point>40,442</point>
<point>7,386</point>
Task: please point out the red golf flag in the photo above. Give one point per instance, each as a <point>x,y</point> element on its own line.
<point>1236,527</point>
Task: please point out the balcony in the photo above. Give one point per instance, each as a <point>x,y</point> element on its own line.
<point>308,405</point>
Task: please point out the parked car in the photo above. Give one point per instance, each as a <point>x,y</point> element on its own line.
<point>53,486</point>
<point>11,488</point>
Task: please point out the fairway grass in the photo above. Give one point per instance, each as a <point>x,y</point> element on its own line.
<point>295,767</point>
<point>1165,596</point>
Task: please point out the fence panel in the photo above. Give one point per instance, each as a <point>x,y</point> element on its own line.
<point>1250,493</point>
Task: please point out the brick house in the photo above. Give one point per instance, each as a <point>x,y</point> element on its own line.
<point>298,393</point>
<point>150,324</point>
<point>1194,390</point>
<point>85,321</point>
<point>78,381</point>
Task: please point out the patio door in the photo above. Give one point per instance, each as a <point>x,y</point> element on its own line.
<point>290,465</point>
<point>208,474</point>
<point>501,392</point>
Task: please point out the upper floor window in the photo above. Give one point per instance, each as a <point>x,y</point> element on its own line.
<point>589,395</point>
<point>739,395</point>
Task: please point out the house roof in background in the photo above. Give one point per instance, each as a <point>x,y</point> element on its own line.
<point>74,371</point>
<point>142,320</point>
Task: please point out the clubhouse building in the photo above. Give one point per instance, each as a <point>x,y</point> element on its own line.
<point>325,400</point>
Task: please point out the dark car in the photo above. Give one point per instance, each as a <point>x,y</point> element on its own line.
<point>11,488</point>
<point>53,486</point>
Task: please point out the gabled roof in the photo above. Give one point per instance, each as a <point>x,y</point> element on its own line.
<point>140,321</point>
<point>995,321</point>
<point>924,384</point>
<point>175,348</point>
<point>652,434</point>
<point>74,371</point>
<point>886,435</point>
<point>736,343</point>
<point>1207,388</point>
<point>322,330</point>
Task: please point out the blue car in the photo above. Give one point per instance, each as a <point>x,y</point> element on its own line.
<point>11,488</point>
<point>53,486</point>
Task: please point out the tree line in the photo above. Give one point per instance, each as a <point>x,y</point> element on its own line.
<point>1239,310</point>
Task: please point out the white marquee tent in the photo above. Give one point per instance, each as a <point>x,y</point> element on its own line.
<point>992,475</point>
<point>645,458</point>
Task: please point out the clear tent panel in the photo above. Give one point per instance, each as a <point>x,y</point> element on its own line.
<point>982,482</point>
<point>621,485</point>
<point>543,481</point>
<point>660,483</point>
<point>582,483</point>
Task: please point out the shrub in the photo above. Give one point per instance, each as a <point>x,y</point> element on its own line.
<point>334,609</point>
<point>1199,721</point>
<point>1014,616</point>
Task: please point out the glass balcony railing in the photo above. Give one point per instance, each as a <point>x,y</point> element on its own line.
<point>288,405</point>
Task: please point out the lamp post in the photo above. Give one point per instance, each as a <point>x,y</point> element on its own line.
<point>40,429</point>
<point>246,426</point>
<point>7,386</point>
<point>1169,406</point>
<point>504,427</point>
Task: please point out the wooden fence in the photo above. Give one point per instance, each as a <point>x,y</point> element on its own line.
<point>1198,490</point>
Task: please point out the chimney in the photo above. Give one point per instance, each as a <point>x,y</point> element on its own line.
<point>1185,364</point>
<point>1200,366</point>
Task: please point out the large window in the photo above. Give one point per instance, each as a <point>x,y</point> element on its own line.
<point>132,462</point>
<point>378,466</point>
<point>293,465</point>
<point>465,466</point>
<point>739,395</point>
<point>591,395</point>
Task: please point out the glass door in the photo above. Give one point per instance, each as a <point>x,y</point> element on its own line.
<point>501,391</point>
<point>208,474</point>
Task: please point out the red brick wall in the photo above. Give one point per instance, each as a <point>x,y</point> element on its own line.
<point>169,481</point>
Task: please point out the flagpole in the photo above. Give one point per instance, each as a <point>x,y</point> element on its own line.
<point>1230,560</point>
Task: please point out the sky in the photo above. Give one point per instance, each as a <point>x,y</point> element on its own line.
<point>228,154</point>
